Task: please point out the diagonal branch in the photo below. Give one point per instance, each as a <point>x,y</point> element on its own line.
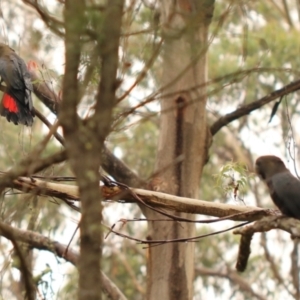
<point>40,242</point>
<point>54,24</point>
<point>110,163</point>
<point>287,224</point>
<point>24,266</point>
<point>232,276</point>
<point>29,166</point>
<point>119,170</point>
<point>44,92</point>
<point>247,109</point>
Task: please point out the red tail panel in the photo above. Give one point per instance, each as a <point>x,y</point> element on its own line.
<point>9,103</point>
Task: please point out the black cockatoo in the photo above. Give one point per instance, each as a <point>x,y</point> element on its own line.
<point>16,103</point>
<point>284,188</point>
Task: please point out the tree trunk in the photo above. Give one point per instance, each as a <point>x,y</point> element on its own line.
<point>183,142</point>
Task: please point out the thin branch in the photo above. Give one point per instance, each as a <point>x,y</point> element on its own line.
<point>54,24</point>
<point>287,14</point>
<point>49,125</point>
<point>110,163</point>
<point>274,266</point>
<point>287,224</point>
<point>143,73</point>
<point>40,242</point>
<point>24,268</point>
<point>295,268</point>
<point>119,170</point>
<point>247,109</point>
<point>229,79</point>
<point>29,166</point>
<point>154,243</point>
<point>233,277</point>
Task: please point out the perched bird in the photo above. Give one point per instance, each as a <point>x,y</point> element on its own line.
<point>284,188</point>
<point>16,103</point>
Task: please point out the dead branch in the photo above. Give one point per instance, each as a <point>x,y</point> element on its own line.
<point>152,198</point>
<point>244,252</point>
<point>287,224</point>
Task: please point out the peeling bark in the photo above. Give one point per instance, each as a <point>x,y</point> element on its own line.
<point>183,143</point>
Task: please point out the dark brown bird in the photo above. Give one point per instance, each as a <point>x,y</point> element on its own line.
<point>16,102</point>
<point>284,188</point>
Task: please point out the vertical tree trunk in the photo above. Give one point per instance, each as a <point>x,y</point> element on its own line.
<point>183,141</point>
<point>84,139</point>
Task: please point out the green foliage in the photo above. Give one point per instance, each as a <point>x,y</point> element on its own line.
<point>233,178</point>
<point>254,49</point>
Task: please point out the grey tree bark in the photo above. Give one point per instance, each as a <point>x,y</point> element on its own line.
<point>183,142</point>
<point>84,139</point>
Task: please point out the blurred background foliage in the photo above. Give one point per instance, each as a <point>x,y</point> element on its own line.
<point>254,49</point>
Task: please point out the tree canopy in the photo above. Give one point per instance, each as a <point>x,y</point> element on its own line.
<point>150,115</point>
